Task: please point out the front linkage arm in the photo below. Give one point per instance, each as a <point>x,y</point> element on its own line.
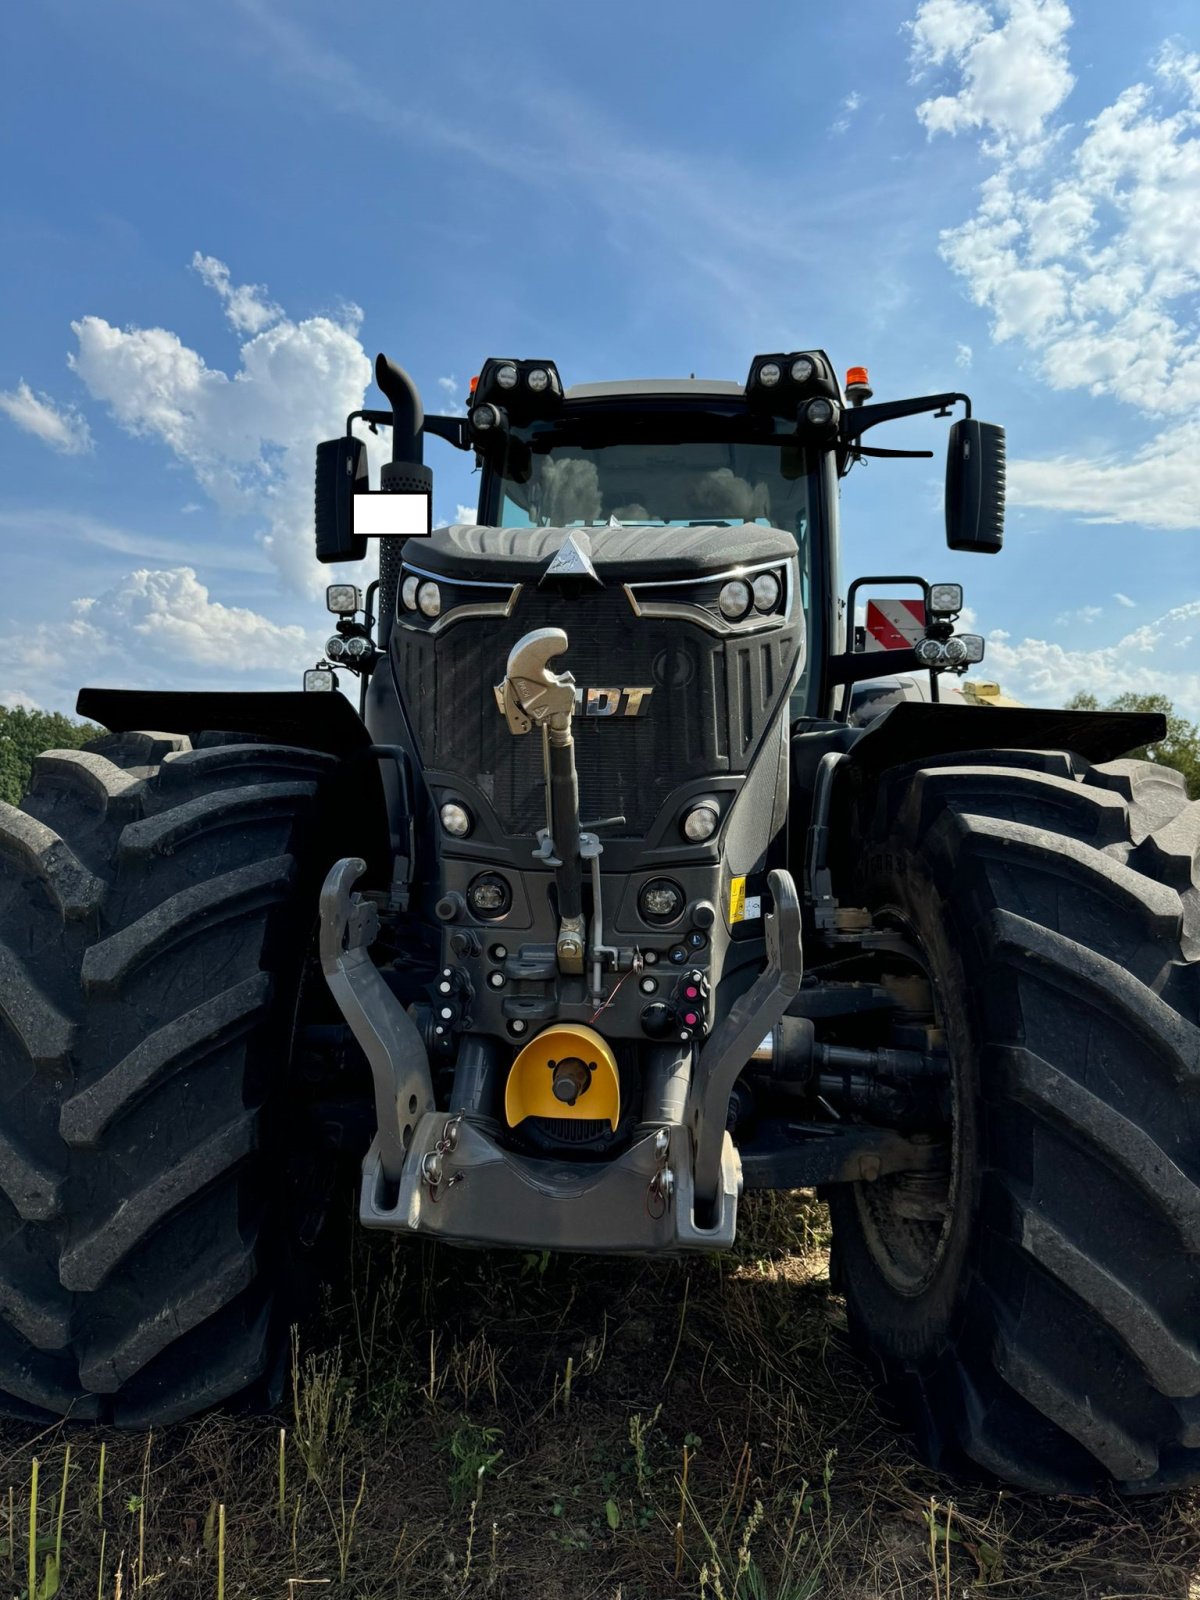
<point>387,1034</point>
<point>736,1037</point>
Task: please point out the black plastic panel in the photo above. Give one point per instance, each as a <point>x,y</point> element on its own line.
<point>315,721</point>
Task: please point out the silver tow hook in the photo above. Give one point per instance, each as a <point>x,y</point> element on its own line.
<point>531,695</point>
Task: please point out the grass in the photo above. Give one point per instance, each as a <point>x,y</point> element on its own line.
<point>559,1429</point>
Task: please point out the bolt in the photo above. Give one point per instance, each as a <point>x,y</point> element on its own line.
<point>444,987</point>
<point>869,1168</point>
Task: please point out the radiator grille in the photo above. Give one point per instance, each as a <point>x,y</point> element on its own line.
<point>711,702</point>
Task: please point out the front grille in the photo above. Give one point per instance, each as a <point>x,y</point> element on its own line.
<point>569,1130</point>
<point>711,703</point>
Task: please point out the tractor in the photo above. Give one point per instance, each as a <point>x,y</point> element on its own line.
<point>590,883</point>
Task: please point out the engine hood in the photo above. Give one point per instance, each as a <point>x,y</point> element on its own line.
<point>621,554</point>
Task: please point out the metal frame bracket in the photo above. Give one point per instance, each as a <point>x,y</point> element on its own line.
<point>388,1036</point>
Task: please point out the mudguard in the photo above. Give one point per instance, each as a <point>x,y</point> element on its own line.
<point>912,730</point>
<point>314,721</point>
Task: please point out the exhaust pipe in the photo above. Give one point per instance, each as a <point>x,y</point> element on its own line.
<point>406,473</point>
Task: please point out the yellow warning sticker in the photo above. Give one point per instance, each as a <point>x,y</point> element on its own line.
<point>737,900</point>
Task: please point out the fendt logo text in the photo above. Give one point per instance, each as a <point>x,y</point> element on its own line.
<point>610,702</point>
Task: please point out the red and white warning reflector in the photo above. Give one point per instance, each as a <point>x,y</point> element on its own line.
<point>894,624</point>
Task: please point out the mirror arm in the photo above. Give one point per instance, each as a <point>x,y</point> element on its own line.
<point>856,422</point>
<point>858,665</point>
<point>452,429</point>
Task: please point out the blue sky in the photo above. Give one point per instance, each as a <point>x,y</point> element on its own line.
<point>220,213</point>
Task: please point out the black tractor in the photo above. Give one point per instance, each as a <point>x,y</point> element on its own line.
<point>628,887</point>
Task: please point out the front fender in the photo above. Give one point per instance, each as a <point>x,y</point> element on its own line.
<point>314,721</point>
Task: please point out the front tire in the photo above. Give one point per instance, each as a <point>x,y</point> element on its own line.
<point>1046,1330</point>
<point>155,906</point>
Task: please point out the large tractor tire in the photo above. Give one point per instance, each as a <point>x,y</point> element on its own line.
<point>1041,1319</point>
<point>156,906</point>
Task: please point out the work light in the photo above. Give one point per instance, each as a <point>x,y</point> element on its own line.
<point>343,599</point>
<point>945,599</point>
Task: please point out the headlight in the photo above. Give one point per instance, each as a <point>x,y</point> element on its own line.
<point>769,374</point>
<point>489,895</point>
<point>319,680</point>
<point>945,598</point>
<point>485,417</point>
<point>335,648</point>
<point>734,599</point>
<point>408,593</point>
<point>955,651</point>
<point>931,652</point>
<point>538,379</point>
<point>660,900</point>
<point>456,819</point>
<point>802,369</point>
<point>506,377</point>
<point>358,649</point>
<point>702,820</point>
<point>343,599</point>
<point>972,643</point>
<point>819,412</point>
<point>766,591</point>
<point>429,600</point>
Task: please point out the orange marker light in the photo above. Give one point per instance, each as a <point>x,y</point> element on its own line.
<point>474,383</point>
<point>856,375</point>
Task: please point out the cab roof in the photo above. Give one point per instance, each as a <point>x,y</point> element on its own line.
<point>632,387</point>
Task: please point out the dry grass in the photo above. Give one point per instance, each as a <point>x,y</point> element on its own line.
<point>560,1429</point>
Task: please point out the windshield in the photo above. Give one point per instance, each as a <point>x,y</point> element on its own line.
<point>551,481</point>
<point>638,471</point>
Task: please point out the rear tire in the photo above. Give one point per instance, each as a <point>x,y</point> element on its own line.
<point>156,903</point>
<point>1054,1340</point>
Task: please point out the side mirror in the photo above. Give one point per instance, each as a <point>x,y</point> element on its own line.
<point>341,471</point>
<point>975,487</point>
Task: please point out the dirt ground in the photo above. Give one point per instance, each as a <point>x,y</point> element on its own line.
<point>461,1425</point>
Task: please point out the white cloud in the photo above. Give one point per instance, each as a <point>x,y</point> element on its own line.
<point>846,112</point>
<point>1158,486</point>
<point>16,700</point>
<point>248,438</point>
<point>451,388</point>
<point>1085,244</point>
<point>246,311</point>
<point>63,428</point>
<point>1124,600</point>
<point>466,515</point>
<point>1045,672</point>
<point>1011,62</point>
<point>154,629</point>
<point>964,355</point>
<point>1085,614</point>
<point>52,528</point>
